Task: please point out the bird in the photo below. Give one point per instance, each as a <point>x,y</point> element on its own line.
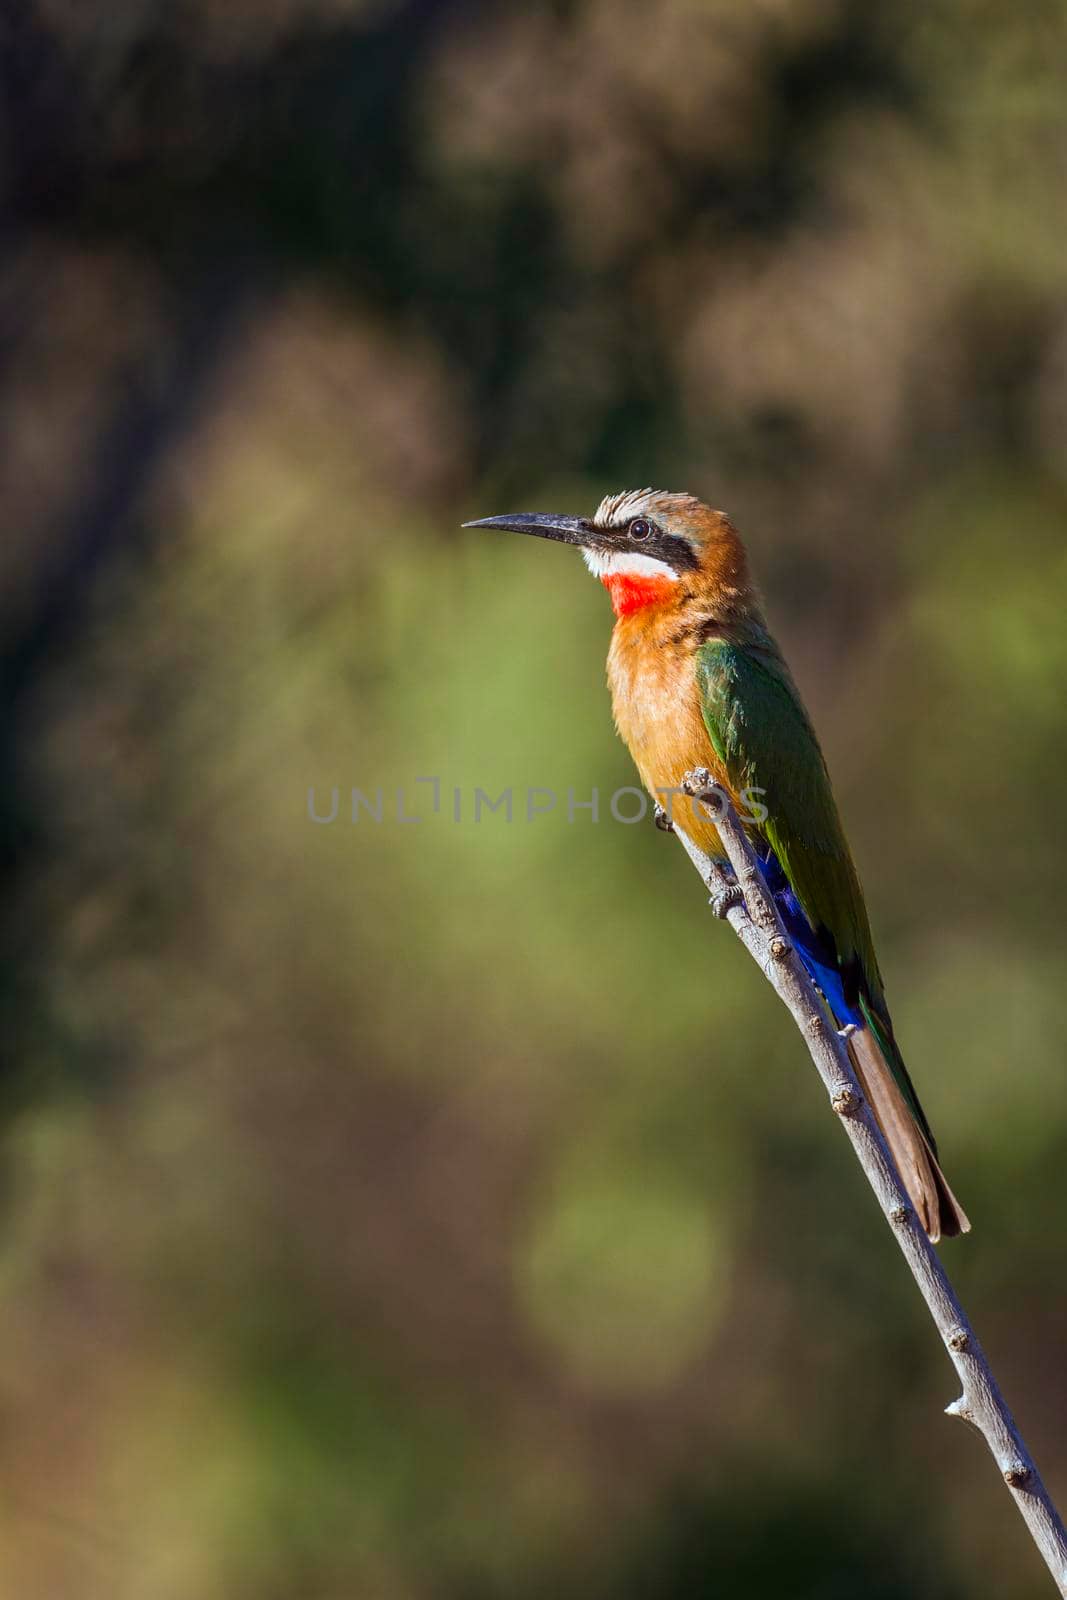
<point>698,681</point>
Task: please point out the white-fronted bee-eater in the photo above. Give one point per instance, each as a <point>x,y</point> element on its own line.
<point>697,681</point>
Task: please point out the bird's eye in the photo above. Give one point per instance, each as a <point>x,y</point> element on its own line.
<point>640,529</point>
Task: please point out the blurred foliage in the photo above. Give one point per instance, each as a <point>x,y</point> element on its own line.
<point>404,1210</point>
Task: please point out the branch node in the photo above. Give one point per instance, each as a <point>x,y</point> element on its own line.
<point>779,947</point>
<point>847,1031</point>
<point>846,1099</point>
<point>816,1024</point>
<point>1016,1473</point>
<point>899,1215</point>
<point>958,1338</point>
<point>959,1408</point>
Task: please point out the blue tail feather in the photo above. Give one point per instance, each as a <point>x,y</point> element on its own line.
<point>817,956</point>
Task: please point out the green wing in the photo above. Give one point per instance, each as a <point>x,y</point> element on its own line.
<point>762,735</point>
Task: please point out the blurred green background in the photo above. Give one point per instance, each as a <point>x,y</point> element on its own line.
<point>447,1211</point>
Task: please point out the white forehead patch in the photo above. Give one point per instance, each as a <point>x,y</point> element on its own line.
<point>616,510</point>
<point>626,563</point>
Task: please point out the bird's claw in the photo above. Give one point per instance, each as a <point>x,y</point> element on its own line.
<point>661,817</point>
<point>698,781</point>
<point>723,900</point>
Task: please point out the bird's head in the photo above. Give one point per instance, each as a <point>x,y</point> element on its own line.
<point>647,547</point>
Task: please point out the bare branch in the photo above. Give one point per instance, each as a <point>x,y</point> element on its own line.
<point>748,906</point>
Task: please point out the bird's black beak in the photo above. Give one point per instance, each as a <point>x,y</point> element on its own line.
<point>543,525</point>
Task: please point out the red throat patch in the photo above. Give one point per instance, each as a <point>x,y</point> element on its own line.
<point>631,592</point>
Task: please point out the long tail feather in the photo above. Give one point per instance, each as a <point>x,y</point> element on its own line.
<point>877,1060</point>
<point>939,1211</point>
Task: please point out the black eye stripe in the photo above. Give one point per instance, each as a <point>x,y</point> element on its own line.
<point>669,547</point>
<point>678,552</point>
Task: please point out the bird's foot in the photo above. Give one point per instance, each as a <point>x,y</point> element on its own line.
<point>662,818</point>
<point>698,781</point>
<point>723,900</point>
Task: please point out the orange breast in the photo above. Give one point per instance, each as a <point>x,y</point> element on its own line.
<point>656,704</point>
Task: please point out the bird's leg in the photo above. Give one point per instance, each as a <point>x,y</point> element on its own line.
<point>706,791</point>
<point>726,892</point>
